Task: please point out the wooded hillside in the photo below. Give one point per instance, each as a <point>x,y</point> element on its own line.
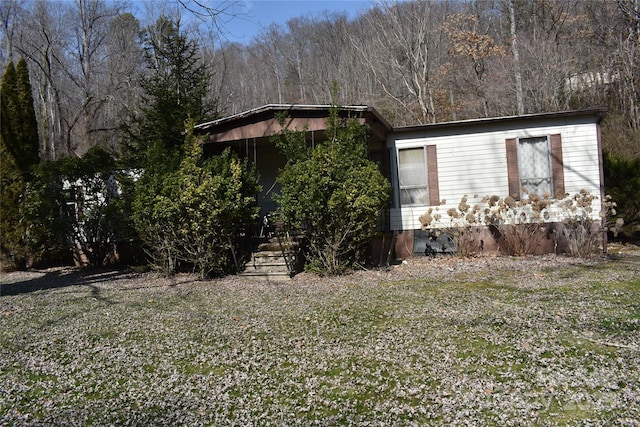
<point>416,62</point>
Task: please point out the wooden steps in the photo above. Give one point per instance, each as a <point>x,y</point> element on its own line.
<point>275,259</point>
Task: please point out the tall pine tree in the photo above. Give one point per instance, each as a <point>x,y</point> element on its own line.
<point>19,125</point>
<point>18,156</point>
<point>175,89</point>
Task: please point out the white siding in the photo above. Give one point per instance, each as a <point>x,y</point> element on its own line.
<point>475,164</point>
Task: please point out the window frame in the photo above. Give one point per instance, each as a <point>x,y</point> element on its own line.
<point>556,165</point>
<point>525,180</point>
<point>430,164</point>
<point>425,185</point>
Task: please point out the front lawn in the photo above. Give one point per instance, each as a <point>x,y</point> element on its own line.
<point>488,341</point>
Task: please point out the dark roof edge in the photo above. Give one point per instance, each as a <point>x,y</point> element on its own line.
<point>291,107</point>
<point>596,111</point>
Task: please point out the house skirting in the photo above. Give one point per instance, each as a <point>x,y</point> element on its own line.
<point>550,238</point>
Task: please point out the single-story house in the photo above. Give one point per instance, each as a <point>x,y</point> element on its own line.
<point>433,166</point>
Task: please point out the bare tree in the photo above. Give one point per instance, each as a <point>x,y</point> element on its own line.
<point>471,50</point>
<point>269,46</point>
<point>405,44</point>
<point>517,73</point>
<point>91,91</point>
<point>10,12</point>
<point>218,14</point>
<point>415,61</point>
<point>629,59</point>
<point>44,45</point>
<point>124,64</point>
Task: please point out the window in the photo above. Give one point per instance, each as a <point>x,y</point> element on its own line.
<point>418,176</point>
<point>412,166</point>
<point>535,165</point>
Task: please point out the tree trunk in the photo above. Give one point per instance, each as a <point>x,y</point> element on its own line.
<point>516,59</point>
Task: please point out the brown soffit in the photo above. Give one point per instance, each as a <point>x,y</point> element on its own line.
<point>261,122</point>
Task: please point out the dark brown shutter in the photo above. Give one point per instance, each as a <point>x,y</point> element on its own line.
<point>512,168</point>
<point>432,176</point>
<point>557,166</point>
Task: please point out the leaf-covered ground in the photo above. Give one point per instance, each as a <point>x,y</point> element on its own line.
<point>488,341</point>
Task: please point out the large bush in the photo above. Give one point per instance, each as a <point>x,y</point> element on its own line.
<point>622,182</point>
<point>196,216</point>
<point>46,218</point>
<point>332,194</point>
<point>74,206</point>
<point>100,215</point>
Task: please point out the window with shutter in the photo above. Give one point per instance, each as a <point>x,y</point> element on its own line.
<point>412,174</point>
<point>535,166</point>
<point>418,176</point>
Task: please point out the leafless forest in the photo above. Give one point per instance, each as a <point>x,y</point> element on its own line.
<point>414,61</point>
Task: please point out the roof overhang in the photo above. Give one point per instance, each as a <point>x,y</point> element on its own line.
<point>263,122</point>
<point>595,114</point>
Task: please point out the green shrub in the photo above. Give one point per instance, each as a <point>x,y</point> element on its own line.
<point>196,216</point>
<point>100,216</point>
<point>74,206</point>
<point>622,182</point>
<point>332,194</point>
<point>46,218</point>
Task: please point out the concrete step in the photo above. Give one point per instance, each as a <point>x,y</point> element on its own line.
<point>269,263</point>
<point>274,275</point>
<point>272,266</point>
<point>265,271</point>
<point>273,245</point>
<point>270,258</point>
<point>263,263</point>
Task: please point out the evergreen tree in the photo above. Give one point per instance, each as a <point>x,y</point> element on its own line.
<point>175,89</point>
<point>18,157</point>
<point>19,125</point>
<point>12,188</point>
<point>8,110</point>
<point>29,139</point>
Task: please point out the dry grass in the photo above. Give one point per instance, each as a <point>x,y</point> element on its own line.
<point>487,341</point>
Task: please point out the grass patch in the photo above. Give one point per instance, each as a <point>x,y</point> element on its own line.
<point>489,346</point>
